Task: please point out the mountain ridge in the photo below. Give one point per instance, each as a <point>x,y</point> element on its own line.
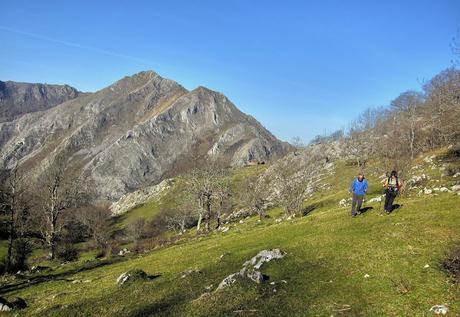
<point>135,132</point>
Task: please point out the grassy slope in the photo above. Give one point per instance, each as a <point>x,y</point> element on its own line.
<point>328,255</point>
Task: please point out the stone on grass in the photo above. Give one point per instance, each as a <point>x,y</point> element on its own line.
<point>251,268</point>
<point>131,276</point>
<point>265,256</point>
<point>440,309</point>
<point>456,188</point>
<point>123,252</point>
<point>375,199</point>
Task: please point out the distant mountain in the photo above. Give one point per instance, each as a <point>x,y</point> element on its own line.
<point>136,132</point>
<point>19,98</point>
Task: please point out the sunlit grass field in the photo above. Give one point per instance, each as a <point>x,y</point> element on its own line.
<point>371,265</point>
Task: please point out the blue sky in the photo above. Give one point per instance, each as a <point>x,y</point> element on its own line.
<point>300,67</point>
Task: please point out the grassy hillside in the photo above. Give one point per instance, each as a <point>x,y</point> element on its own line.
<point>371,265</point>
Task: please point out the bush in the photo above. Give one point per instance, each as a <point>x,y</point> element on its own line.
<point>452,264</point>
<point>67,252</point>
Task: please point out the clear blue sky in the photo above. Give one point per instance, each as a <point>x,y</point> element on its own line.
<point>299,67</point>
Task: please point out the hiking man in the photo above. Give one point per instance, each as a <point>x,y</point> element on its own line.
<point>392,188</point>
<point>358,188</point>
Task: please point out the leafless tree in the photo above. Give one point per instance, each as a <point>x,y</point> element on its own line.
<point>255,194</point>
<point>204,185</point>
<point>182,217</point>
<point>137,229</point>
<point>291,186</point>
<point>13,204</point>
<point>61,191</point>
<point>407,107</point>
<point>98,221</point>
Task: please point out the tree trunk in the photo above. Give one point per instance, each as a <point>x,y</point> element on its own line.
<point>200,217</point>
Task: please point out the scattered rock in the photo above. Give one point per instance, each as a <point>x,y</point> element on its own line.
<point>427,191</point>
<point>123,252</point>
<point>376,199</point>
<point>426,266</point>
<point>456,188</point>
<point>131,276</point>
<point>366,276</point>
<point>439,309</point>
<point>343,203</point>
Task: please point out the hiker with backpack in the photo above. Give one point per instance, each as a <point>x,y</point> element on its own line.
<point>358,188</point>
<point>392,189</point>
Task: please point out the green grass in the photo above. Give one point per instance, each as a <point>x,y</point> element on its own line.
<point>328,255</point>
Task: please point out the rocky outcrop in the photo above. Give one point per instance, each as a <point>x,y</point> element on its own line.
<point>135,133</point>
<point>17,99</point>
<point>251,268</point>
<point>139,197</point>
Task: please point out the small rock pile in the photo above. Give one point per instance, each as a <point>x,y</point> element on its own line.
<point>251,268</point>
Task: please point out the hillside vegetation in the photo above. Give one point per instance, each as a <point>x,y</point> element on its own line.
<point>371,265</point>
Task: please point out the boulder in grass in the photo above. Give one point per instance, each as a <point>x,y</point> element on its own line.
<point>131,276</point>
<point>439,309</point>
<point>264,256</point>
<point>251,268</point>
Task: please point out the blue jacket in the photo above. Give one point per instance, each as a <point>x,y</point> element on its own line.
<point>359,188</point>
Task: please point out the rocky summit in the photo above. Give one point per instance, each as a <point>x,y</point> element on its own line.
<point>134,133</point>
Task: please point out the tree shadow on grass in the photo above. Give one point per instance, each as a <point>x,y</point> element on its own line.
<point>43,278</point>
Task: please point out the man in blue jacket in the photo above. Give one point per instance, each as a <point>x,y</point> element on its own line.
<point>359,189</point>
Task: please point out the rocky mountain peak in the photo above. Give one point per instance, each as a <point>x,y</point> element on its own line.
<point>137,132</point>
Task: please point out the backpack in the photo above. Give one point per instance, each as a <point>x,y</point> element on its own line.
<point>396,188</point>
